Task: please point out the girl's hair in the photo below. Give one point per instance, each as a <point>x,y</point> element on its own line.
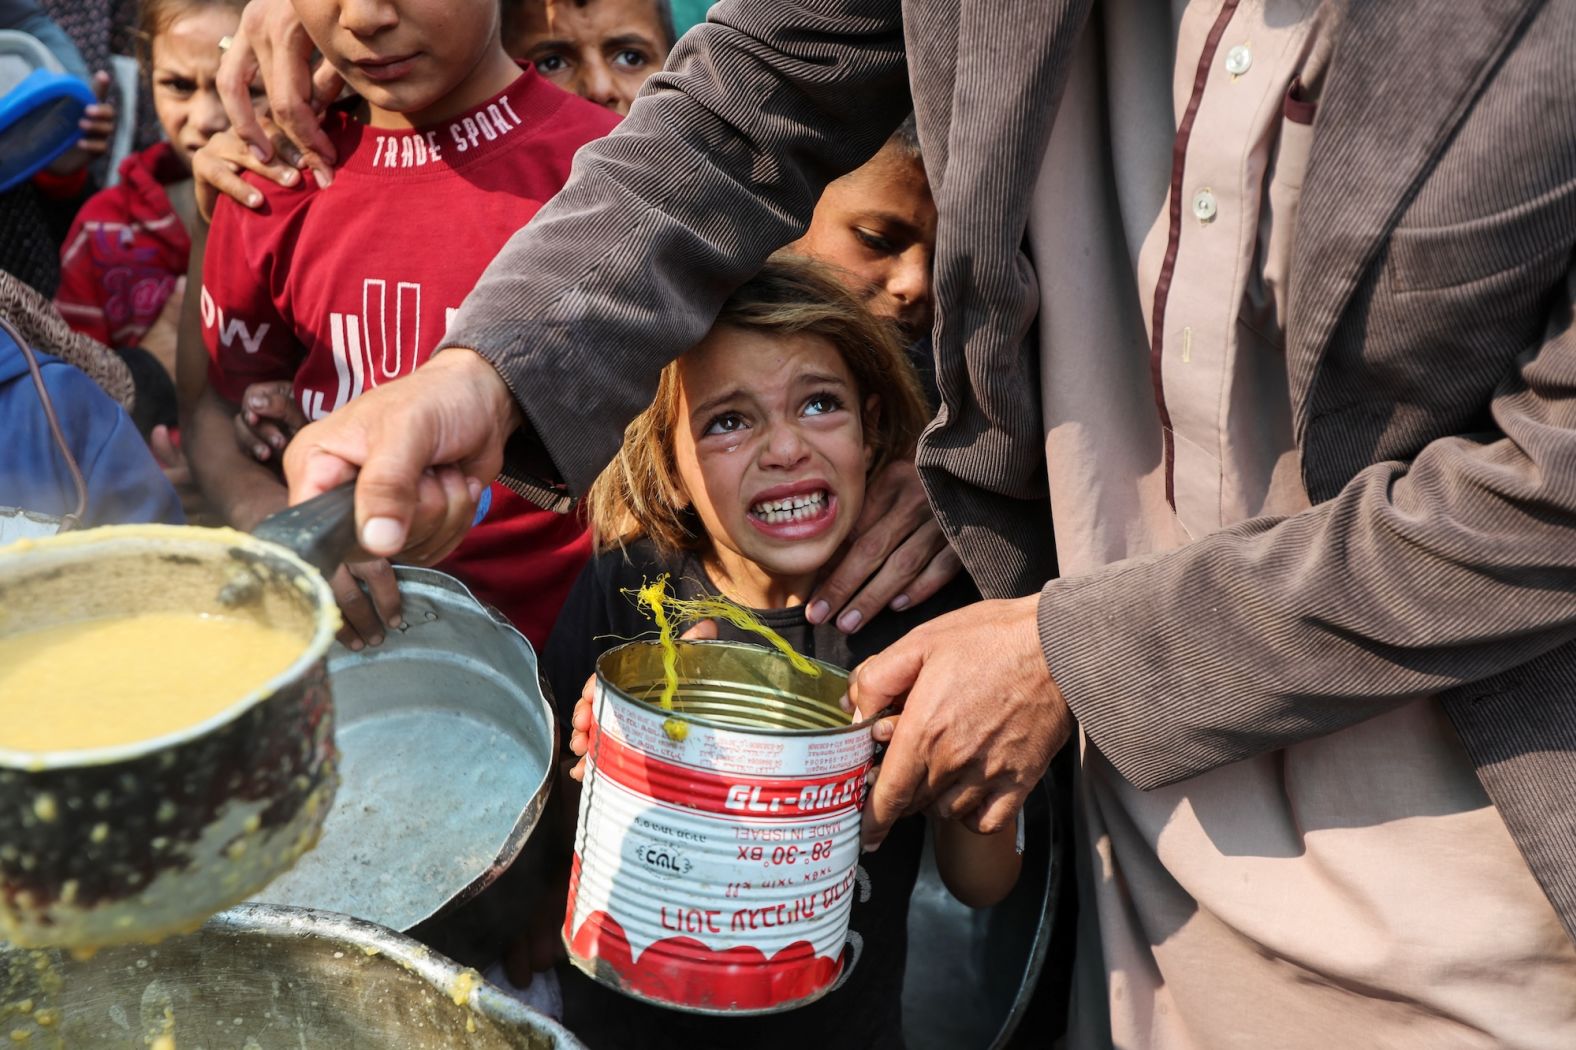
<point>640,493</point>
<point>155,16</point>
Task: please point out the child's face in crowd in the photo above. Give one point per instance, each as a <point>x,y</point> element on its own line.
<point>770,447</point>
<point>602,50</point>
<point>877,225</point>
<point>423,60</point>
<point>185,60</point>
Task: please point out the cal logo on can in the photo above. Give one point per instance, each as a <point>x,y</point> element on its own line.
<point>716,873</point>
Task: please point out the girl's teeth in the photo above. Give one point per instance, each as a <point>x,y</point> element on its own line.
<point>791,508</point>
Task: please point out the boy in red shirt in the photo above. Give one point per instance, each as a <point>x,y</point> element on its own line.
<point>450,149</point>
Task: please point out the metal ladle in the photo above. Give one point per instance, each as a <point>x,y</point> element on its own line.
<point>321,532</point>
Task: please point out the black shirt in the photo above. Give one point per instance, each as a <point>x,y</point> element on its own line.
<point>865,1011</point>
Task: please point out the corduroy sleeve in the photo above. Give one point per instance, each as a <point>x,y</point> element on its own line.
<point>1416,578</point>
<point>720,162</point>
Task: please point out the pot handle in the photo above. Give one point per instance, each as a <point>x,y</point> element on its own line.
<point>321,531</point>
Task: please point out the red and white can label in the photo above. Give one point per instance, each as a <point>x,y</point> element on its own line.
<point>714,873</point>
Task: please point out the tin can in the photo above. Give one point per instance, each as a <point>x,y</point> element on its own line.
<point>715,873</point>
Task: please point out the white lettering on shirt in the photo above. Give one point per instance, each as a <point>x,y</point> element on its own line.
<point>489,124</point>
<point>232,328</point>
<point>407,151</point>
<point>381,342</point>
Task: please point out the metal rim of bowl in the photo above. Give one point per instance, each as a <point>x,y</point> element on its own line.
<point>623,695</point>
<point>435,968</point>
<point>124,535</point>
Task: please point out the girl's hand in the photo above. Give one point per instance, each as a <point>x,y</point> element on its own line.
<point>580,721</point>
<point>216,169</point>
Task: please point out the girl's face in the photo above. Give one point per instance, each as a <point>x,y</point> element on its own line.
<point>770,447</point>
<point>877,226</point>
<point>185,57</point>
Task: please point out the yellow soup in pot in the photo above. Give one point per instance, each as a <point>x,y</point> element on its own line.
<point>103,683</point>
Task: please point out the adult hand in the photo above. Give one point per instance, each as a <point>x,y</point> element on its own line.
<point>366,612</point>
<point>424,445</point>
<point>268,419</point>
<point>217,167</point>
<point>898,558</point>
<point>580,721</point>
<point>981,717</point>
<point>98,128</point>
<point>272,44</point>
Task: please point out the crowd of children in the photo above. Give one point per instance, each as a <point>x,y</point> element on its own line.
<point>460,118</point>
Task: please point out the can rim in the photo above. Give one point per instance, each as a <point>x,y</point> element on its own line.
<point>622,695</point>
<point>315,649</point>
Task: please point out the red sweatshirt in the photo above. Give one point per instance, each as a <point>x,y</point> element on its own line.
<point>125,251</point>
<point>345,288</point>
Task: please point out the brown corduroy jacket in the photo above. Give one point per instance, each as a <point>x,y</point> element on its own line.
<point>1431,353</point>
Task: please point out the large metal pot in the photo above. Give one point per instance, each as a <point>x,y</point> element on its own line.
<point>265,977</point>
<point>446,747</point>
<point>128,843</point>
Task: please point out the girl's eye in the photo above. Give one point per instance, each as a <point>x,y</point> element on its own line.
<point>631,59</point>
<point>178,85</point>
<point>727,423</point>
<point>821,404</point>
<point>550,64</point>
<point>872,240</point>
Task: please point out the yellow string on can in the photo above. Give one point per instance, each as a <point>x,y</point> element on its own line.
<point>669,612</point>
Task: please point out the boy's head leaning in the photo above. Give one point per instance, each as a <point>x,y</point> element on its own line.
<point>877,226</point>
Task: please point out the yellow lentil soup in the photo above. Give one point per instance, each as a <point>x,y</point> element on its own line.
<point>108,682</point>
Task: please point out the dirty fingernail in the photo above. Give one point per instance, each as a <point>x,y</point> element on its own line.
<point>357,645</point>
<point>817,611</point>
<point>376,639</point>
<point>849,621</point>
